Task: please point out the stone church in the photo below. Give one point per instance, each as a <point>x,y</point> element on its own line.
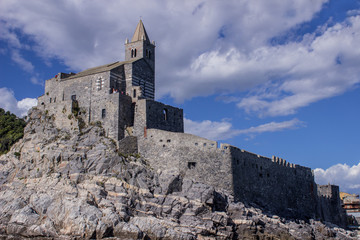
<point>120,97</point>
<point>120,94</point>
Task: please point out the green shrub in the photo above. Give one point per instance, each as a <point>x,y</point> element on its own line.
<point>11,130</point>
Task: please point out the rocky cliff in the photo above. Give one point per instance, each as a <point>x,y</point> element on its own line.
<point>57,184</point>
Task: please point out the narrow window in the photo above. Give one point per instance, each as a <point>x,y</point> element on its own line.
<point>132,53</point>
<point>165,113</point>
<point>73,97</point>
<point>147,53</point>
<point>134,93</point>
<point>191,165</point>
<point>103,113</point>
<point>135,52</point>
<point>50,100</point>
<point>63,96</point>
<point>54,99</point>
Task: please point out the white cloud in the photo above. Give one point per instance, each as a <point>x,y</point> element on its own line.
<point>345,176</point>
<point>286,77</point>
<point>36,80</point>
<point>209,129</point>
<point>224,130</point>
<point>273,127</point>
<point>203,48</point>
<point>9,103</point>
<point>84,34</point>
<point>23,63</point>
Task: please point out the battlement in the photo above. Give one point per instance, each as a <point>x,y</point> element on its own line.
<point>120,95</point>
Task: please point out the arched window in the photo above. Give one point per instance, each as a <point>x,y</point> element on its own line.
<point>135,52</point>
<point>165,114</point>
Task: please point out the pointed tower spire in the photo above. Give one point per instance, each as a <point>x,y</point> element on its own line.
<point>140,33</point>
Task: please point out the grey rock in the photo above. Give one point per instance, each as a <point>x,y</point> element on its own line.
<point>70,185</point>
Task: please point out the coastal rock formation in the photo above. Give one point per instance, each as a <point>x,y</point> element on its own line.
<point>67,184</point>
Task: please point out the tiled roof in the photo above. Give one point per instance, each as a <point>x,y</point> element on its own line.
<point>99,69</point>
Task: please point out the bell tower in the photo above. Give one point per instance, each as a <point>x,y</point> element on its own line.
<point>140,47</point>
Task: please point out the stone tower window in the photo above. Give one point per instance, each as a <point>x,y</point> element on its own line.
<point>165,114</point>
<point>148,53</point>
<point>191,165</point>
<point>103,113</point>
<point>133,52</point>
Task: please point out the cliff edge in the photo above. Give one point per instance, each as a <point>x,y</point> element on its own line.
<point>66,184</point>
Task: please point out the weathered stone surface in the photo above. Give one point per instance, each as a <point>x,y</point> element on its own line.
<point>72,184</point>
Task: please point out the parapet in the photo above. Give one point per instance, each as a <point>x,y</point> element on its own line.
<point>328,191</point>
<point>61,75</point>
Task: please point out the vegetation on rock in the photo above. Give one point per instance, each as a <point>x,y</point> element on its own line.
<point>11,130</point>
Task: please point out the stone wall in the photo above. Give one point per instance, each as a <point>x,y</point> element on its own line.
<point>329,205</point>
<point>274,184</point>
<point>144,77</point>
<point>113,110</point>
<point>193,157</point>
<point>151,114</point>
<point>284,188</point>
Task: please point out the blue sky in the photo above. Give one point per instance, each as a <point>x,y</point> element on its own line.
<point>271,77</point>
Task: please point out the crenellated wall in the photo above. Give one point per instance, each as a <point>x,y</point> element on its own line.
<point>285,188</point>
<point>273,183</point>
<point>193,157</point>
<point>329,205</point>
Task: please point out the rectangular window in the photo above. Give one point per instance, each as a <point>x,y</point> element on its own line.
<point>103,113</point>
<point>191,165</point>
<point>50,100</point>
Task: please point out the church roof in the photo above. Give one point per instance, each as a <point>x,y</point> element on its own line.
<point>99,69</point>
<point>140,33</point>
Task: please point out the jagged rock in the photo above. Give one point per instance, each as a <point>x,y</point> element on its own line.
<point>71,184</point>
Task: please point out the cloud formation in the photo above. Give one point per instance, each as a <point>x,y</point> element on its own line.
<point>345,176</point>
<point>224,130</point>
<point>203,48</point>
<point>9,103</point>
